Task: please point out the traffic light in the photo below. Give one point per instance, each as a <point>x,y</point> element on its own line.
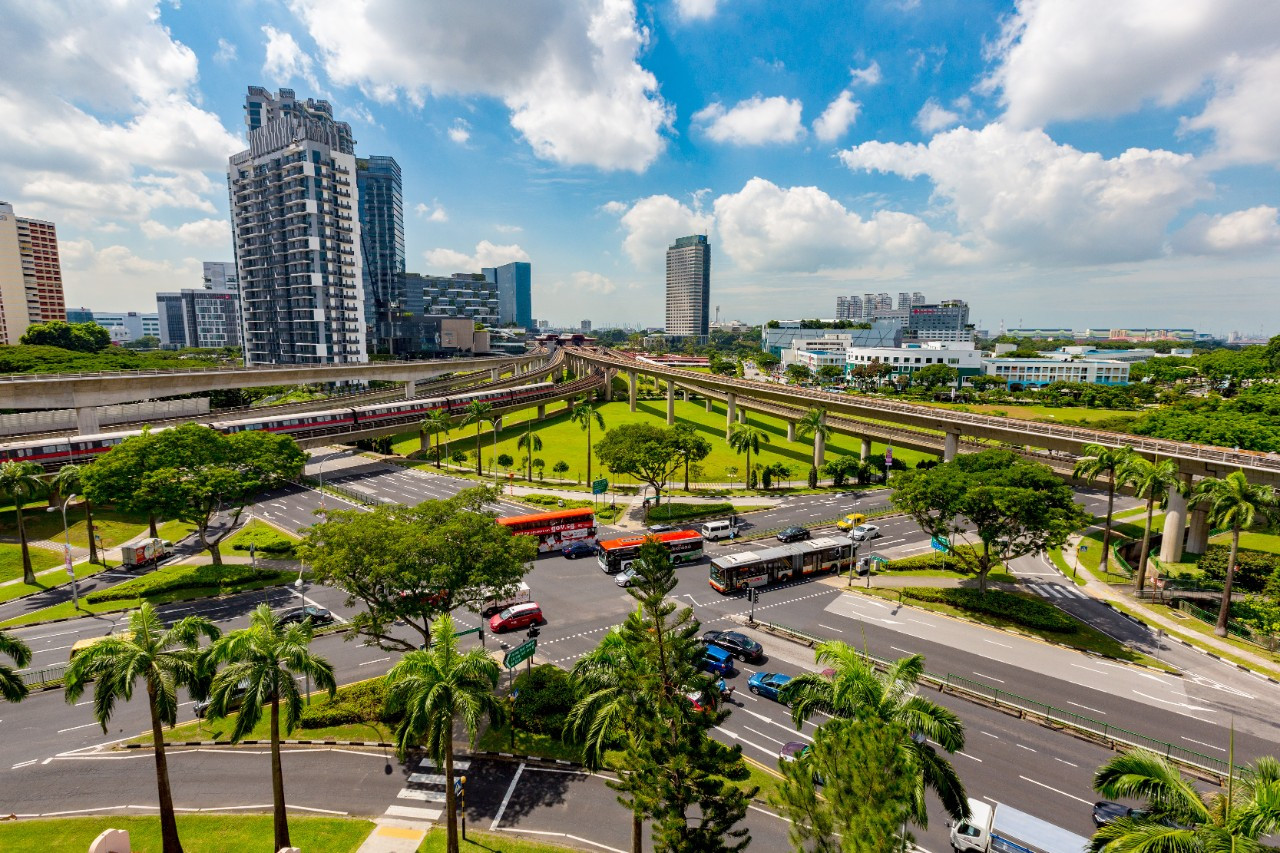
<point>533,632</point>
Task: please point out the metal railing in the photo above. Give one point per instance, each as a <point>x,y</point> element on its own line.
<point>43,676</point>
<point>1049,714</point>
<point>1269,642</point>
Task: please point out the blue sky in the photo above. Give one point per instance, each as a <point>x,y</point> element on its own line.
<point>1077,162</point>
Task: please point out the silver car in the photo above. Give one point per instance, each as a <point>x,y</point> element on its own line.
<point>865,531</point>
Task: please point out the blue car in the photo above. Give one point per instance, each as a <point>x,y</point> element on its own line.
<point>574,550</point>
<point>767,684</point>
<point>717,660</point>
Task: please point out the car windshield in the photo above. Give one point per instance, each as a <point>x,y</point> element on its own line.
<point>507,614</point>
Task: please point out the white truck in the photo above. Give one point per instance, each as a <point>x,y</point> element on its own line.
<point>497,602</point>
<point>1004,829</point>
<point>145,552</point>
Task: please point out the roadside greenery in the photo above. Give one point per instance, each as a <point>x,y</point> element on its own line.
<point>266,540</point>
<point>208,580</point>
<point>1015,607</point>
<point>200,833</point>
<point>51,359</point>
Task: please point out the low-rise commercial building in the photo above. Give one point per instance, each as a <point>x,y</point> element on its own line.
<point>1057,367</point>
<point>786,333</point>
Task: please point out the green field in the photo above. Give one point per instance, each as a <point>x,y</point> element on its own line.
<point>112,526</point>
<point>199,833</point>
<point>1253,541</point>
<point>563,440</point>
<point>11,560</point>
<point>436,839</point>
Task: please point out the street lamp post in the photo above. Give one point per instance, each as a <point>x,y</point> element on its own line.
<point>66,533</point>
<point>320,477</point>
<point>853,559</point>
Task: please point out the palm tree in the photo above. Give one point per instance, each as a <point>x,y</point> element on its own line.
<point>19,481</point>
<point>432,688</point>
<point>747,438</point>
<point>1099,460</point>
<point>858,691</point>
<point>435,423</point>
<point>12,687</point>
<point>495,423</point>
<point>68,482</point>
<point>1179,817</point>
<point>814,422</point>
<point>583,413</point>
<point>476,413</point>
<point>1235,503</point>
<point>1151,480</point>
<point>530,443</point>
<point>265,659</point>
<point>164,659</point>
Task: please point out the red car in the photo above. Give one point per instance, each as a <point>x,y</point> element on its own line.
<point>516,617</point>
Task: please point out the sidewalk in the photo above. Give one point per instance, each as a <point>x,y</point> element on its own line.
<point>1106,593</point>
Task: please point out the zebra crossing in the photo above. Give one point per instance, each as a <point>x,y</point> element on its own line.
<point>1056,590</point>
<point>425,786</point>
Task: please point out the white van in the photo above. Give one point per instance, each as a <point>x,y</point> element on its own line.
<point>722,529</point>
<point>497,603</point>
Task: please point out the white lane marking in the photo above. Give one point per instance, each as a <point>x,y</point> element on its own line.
<point>1087,708</point>
<point>967,755</point>
<point>568,836</point>
<point>74,728</point>
<point>46,761</point>
<point>1027,748</point>
<point>994,643</point>
<point>1202,743</point>
<point>766,750</point>
<point>829,628</point>
<point>990,677</point>
<point>1089,668</point>
<point>763,735</point>
<point>412,813</point>
<point>428,764</point>
<point>1064,761</point>
<point>427,778</point>
<point>24,764</point>
<point>1170,702</point>
<point>511,789</point>
<point>1055,790</point>
<point>989,734</point>
<point>904,651</point>
<point>375,660</point>
<point>423,796</point>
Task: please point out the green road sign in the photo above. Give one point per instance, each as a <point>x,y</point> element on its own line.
<point>876,558</point>
<point>938,544</point>
<point>519,654</point>
<point>599,487</point>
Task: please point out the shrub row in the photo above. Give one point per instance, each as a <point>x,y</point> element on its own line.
<point>932,560</point>
<point>545,697</point>
<point>189,577</point>
<point>1017,608</point>
<point>364,702</point>
<point>1253,567</point>
<point>681,511</point>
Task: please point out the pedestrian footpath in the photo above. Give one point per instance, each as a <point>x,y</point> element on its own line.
<point>420,803</point>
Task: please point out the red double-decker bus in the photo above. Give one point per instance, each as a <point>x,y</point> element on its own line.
<point>684,546</point>
<point>555,529</point>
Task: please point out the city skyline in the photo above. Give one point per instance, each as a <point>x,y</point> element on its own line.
<point>1129,179</point>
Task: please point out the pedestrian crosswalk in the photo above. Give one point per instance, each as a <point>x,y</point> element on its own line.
<point>1056,590</point>
<point>425,786</point>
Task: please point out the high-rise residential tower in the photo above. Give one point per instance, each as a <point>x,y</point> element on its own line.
<point>30,274</point>
<point>848,308</point>
<point>904,299</point>
<point>515,292</point>
<point>296,231</point>
<point>382,245</point>
<point>689,287</point>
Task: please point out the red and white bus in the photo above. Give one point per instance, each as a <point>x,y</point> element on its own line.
<point>684,546</point>
<point>555,529</point>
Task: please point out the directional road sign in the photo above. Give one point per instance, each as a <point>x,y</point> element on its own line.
<point>599,487</point>
<point>519,654</point>
<point>938,544</point>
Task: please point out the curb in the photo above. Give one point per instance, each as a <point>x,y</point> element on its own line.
<point>223,743</point>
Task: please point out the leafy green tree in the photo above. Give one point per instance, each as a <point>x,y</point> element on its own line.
<point>144,342</point>
<point>933,375</point>
<point>1009,505</point>
<point>116,476</point>
<point>476,413</point>
<point>842,468</point>
<point>1234,502</point>
<point>745,438</point>
<point>199,472</point>
<point>267,657</point>
<point>12,687</point>
<point>1151,481</point>
<point>583,413</point>
<point>649,453</point>
<point>414,564</point>
<point>799,373</point>
<point>530,443</point>
<point>690,446</point>
<point>561,467</point>
<point>814,423</point>
<point>538,464</point>
<point>859,692</point>
<point>830,373</point>
<point>1098,460</point>
<point>813,477</point>
<point>865,792</point>
<point>765,360</point>
<point>433,688</point>
<point>20,481</point>
<point>163,659</point>
<point>983,382</point>
<point>435,423</point>
<point>505,461</point>
<point>68,481</point>
<point>1178,816</point>
<point>81,337</point>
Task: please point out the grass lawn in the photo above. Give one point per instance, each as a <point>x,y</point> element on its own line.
<point>174,530</point>
<point>994,576</point>
<point>565,441</point>
<point>199,833</point>
<point>111,525</point>
<point>1055,556</point>
<point>605,512</point>
<point>486,842</point>
<point>11,560</point>
<point>11,591</point>
<point>1252,540</point>
<point>220,730</point>
<point>257,532</point>
<point>1085,638</point>
<point>498,739</point>
<point>676,511</point>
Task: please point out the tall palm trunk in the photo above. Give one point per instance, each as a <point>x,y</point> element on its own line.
<point>479,470</point>
<point>422,441</point>
<point>281,821</point>
<point>438,450</point>
<point>746,482</point>
<point>450,803</point>
<point>588,451</point>
<point>151,524</point>
<point>88,520</point>
<point>28,576</point>
<point>168,823</point>
<point>1146,545</point>
<point>1106,531</point>
<point>1224,612</point>
<point>637,833</point>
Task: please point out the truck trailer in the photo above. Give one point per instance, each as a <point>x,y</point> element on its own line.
<point>145,552</point>
<point>1004,829</point>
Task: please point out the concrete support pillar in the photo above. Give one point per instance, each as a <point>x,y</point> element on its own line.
<point>866,449</point>
<point>494,374</point>
<point>950,446</point>
<point>819,446</point>
<point>708,402</point>
<point>608,388</point>
<point>631,377</point>
<point>671,403</point>
<point>1198,533</point>
<point>1175,519</point>
<point>410,389</point>
<point>791,430</point>
<point>542,411</point>
<point>730,413</point>
<point>87,420</point>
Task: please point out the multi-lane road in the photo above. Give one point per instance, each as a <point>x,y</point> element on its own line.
<point>54,751</point>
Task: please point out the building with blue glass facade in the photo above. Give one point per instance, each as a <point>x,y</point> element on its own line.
<point>381,205</point>
<point>514,283</point>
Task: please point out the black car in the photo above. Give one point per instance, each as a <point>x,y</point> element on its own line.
<point>234,701</point>
<point>737,644</point>
<point>1104,812</point>
<point>317,615</point>
<point>793,534</point>
<point>574,550</point>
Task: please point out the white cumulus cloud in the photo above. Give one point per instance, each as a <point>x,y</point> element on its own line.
<point>653,223</point>
<point>286,61</point>
<point>433,212</point>
<point>755,121</point>
<point>869,76</point>
<point>696,10</point>
<point>460,131</point>
<point>213,233</point>
<point>567,70</point>
<point>934,117</point>
<point>128,278</point>
<point>1241,231</point>
<point>486,254</point>
<point>838,117</point>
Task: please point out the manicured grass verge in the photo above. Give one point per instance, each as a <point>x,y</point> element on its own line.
<point>606,513</point>
<point>199,833</point>
<point>269,542</point>
<point>1055,556</point>
<point>1022,609</point>
<point>498,739</point>
<point>174,531</point>
<point>1195,629</point>
<point>11,560</point>
<point>55,578</point>
<point>478,842</point>
<point>994,577</point>
<point>1084,638</point>
<point>1253,541</point>
<point>113,526</point>
<point>683,512</point>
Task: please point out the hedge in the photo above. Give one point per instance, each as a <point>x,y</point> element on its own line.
<point>189,577</point>
<point>363,702</point>
<point>268,542</point>
<point>1018,608</point>
<point>545,697</point>
<point>932,560</point>
<point>1253,567</point>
